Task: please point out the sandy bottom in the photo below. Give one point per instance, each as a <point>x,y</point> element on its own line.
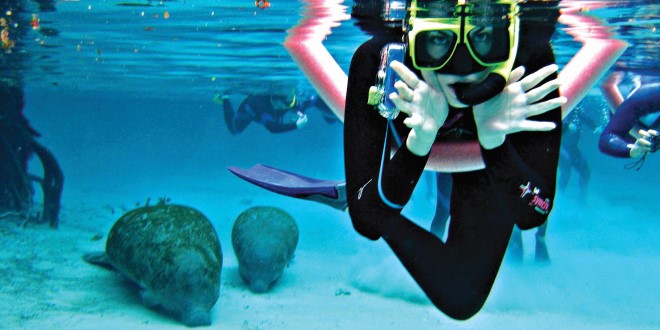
<point>604,271</point>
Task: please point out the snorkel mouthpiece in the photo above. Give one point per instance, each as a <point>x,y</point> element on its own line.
<point>472,94</point>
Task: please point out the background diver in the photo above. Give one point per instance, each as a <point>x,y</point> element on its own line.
<point>278,113</point>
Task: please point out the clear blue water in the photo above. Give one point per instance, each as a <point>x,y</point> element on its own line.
<point>228,45</point>
<point>124,99</point>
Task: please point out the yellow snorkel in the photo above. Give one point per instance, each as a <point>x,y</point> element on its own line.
<point>462,37</point>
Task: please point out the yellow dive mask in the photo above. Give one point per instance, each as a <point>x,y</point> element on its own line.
<point>440,34</point>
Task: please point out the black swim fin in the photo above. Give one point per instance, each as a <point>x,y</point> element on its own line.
<point>328,192</point>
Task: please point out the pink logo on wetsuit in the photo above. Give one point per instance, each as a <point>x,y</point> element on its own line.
<point>540,205</point>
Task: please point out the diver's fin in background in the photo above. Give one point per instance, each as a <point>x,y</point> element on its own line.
<point>331,193</point>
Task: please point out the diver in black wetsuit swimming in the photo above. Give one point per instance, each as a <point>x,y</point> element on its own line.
<point>277,113</point>
<point>459,50</point>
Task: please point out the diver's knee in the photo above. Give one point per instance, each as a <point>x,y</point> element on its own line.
<point>463,308</point>
<point>465,297</point>
<point>364,219</point>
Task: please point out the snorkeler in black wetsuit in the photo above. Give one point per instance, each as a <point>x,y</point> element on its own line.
<point>516,187</point>
<point>277,113</point>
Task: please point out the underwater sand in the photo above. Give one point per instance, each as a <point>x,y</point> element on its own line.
<point>336,281</point>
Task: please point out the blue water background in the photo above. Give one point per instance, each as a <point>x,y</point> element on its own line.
<point>124,99</point>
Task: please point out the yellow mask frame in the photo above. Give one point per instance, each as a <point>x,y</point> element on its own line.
<point>460,21</point>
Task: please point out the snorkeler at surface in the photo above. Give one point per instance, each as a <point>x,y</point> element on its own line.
<point>277,113</point>
<point>633,130</point>
<point>460,50</point>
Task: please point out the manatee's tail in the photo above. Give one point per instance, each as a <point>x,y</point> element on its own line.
<point>99,259</point>
<point>331,193</point>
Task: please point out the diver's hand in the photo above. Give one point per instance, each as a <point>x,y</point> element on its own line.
<point>296,117</point>
<point>507,112</point>
<point>426,108</point>
<point>648,142</point>
<point>302,120</point>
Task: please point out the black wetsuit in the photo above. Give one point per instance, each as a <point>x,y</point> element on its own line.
<point>258,108</point>
<point>516,187</point>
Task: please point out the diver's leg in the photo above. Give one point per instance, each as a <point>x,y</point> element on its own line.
<point>515,250</point>
<point>542,255</point>
<point>565,163</point>
<point>457,275</point>
<point>238,121</point>
<point>582,167</point>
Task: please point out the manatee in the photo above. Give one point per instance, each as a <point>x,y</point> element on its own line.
<point>264,239</point>
<point>173,253</point>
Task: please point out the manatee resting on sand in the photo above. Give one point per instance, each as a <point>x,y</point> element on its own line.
<point>264,239</point>
<point>173,253</point>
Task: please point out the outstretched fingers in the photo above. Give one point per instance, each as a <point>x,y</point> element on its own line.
<point>534,108</point>
<point>537,109</point>
<point>530,125</point>
<point>535,78</point>
<point>545,106</point>
<point>538,93</point>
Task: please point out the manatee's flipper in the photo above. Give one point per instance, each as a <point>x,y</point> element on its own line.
<point>99,259</point>
<point>331,193</point>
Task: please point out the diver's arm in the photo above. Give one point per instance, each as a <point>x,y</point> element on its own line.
<point>615,139</point>
<point>614,145</point>
<point>365,129</point>
<point>277,128</point>
<point>364,139</point>
<point>278,124</point>
<point>275,121</point>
